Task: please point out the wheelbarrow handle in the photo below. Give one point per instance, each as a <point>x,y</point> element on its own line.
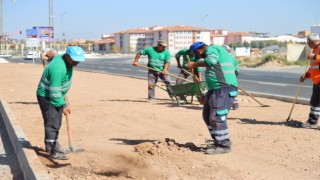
<point>162,72</point>
<point>195,80</point>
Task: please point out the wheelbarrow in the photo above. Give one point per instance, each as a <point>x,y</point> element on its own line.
<point>188,89</point>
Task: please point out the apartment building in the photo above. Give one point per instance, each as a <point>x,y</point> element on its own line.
<point>178,37</point>
<point>131,40</point>
<point>181,37</point>
<point>218,37</point>
<point>238,37</point>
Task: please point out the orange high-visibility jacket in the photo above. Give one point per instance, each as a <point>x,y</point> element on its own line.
<point>314,70</point>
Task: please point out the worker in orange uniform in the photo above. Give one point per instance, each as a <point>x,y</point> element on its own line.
<point>313,41</point>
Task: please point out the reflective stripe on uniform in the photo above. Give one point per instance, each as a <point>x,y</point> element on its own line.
<point>315,108</point>
<point>214,58</point>
<point>220,132</point>
<point>57,95</point>
<point>51,140</point>
<point>221,138</point>
<point>228,71</point>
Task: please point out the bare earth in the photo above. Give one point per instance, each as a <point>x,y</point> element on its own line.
<point>125,137</point>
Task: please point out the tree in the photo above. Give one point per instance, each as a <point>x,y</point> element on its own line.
<point>262,44</point>
<point>254,44</point>
<point>234,45</point>
<point>246,44</point>
<point>239,44</point>
<point>268,43</point>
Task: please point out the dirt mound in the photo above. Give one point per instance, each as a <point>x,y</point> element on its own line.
<point>272,63</point>
<point>165,147</point>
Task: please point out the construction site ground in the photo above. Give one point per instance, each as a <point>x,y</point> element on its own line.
<point>126,137</point>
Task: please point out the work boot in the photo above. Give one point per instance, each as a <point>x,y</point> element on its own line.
<point>235,106</point>
<point>218,150</point>
<point>57,149</point>
<point>58,156</point>
<point>309,126</point>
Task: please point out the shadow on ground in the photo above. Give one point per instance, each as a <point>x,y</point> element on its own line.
<point>25,103</point>
<point>52,164</point>
<point>132,141</point>
<point>291,123</point>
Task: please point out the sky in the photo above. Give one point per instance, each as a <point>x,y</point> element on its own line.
<point>80,19</point>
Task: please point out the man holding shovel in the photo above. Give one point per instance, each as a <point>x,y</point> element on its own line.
<point>222,85</point>
<point>235,105</point>
<point>313,73</point>
<point>158,59</point>
<point>184,68</point>
<point>51,94</point>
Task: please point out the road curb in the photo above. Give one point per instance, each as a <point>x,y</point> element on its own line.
<point>29,162</point>
<point>256,94</point>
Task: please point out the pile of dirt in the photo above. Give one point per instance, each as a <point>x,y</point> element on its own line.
<point>272,63</point>
<point>165,147</point>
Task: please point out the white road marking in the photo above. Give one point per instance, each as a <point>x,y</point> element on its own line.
<point>273,84</point>
<point>270,83</point>
<point>142,71</point>
<point>2,60</point>
<point>126,69</point>
<point>250,74</point>
<point>291,77</point>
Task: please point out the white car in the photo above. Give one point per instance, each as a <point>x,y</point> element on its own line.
<point>32,55</point>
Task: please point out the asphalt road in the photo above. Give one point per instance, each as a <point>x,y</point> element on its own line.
<point>280,82</point>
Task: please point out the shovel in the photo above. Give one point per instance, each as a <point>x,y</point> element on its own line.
<point>71,149</point>
<point>297,94</point>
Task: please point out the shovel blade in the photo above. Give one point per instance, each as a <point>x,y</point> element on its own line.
<point>72,150</point>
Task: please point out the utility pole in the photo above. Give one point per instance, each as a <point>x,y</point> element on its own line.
<point>51,19</point>
<point>1,25</point>
<point>51,14</point>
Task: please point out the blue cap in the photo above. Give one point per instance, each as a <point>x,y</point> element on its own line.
<point>76,53</point>
<point>195,46</point>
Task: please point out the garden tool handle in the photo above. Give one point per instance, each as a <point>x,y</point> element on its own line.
<point>162,72</point>
<point>195,81</point>
<point>69,129</point>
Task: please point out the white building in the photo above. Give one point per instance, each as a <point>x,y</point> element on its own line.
<point>178,37</point>
<point>218,37</point>
<point>315,29</point>
<point>131,40</point>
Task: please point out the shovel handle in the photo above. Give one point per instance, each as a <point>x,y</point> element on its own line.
<point>195,80</point>
<point>69,131</point>
<point>162,72</point>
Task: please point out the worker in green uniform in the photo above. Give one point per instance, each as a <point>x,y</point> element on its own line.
<point>183,74</point>
<point>158,59</point>
<point>51,94</point>
<point>222,88</point>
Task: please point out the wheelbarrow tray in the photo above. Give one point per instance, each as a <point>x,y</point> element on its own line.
<point>188,89</point>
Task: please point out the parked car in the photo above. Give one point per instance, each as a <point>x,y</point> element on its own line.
<point>32,55</point>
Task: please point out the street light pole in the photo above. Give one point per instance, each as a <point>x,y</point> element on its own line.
<point>62,30</point>
<point>202,19</point>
